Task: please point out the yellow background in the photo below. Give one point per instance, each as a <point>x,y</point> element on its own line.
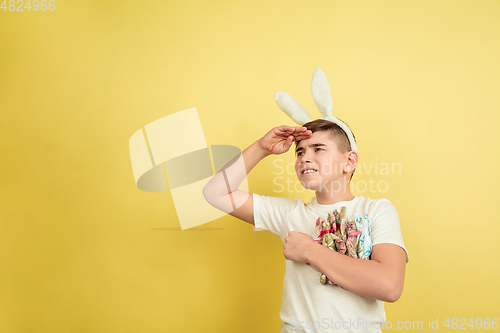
<point>83,250</point>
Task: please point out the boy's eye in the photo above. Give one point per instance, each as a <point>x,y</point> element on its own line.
<point>301,152</point>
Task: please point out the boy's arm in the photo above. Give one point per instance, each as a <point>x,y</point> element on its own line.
<point>380,278</point>
<point>222,190</point>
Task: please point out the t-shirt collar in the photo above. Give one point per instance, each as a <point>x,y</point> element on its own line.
<point>330,208</point>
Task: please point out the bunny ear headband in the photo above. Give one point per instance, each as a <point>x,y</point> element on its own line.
<point>321,95</point>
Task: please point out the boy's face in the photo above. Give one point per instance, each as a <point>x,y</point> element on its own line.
<point>322,162</point>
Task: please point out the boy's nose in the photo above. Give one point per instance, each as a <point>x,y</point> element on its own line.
<point>305,160</point>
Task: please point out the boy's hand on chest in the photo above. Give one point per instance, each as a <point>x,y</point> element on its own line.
<point>297,246</point>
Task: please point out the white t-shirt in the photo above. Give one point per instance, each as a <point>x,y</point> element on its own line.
<point>307,305</point>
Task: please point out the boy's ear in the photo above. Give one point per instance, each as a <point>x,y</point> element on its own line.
<point>352,161</point>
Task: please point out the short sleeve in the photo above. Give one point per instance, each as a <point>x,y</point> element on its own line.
<point>270,213</point>
<point>385,227</point>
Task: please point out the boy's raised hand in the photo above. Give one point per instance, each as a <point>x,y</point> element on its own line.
<point>280,138</point>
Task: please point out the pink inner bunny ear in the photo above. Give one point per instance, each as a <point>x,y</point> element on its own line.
<point>292,108</point>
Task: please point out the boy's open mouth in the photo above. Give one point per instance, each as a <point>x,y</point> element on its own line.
<point>308,172</point>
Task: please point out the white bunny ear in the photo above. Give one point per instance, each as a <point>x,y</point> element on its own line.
<point>321,93</point>
<point>292,108</point>
<point>323,99</point>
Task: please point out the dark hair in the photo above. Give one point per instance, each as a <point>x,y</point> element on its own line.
<point>337,135</point>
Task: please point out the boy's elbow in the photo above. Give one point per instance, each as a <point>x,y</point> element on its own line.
<point>212,196</point>
<point>393,295</point>
<point>207,194</point>
<point>393,291</point>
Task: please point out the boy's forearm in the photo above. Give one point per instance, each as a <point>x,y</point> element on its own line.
<point>248,158</point>
<point>230,177</point>
<point>368,278</point>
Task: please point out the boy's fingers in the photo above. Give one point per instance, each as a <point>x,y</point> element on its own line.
<point>286,128</point>
<point>301,136</point>
<point>298,133</point>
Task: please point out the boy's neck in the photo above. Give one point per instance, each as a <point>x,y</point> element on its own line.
<point>330,198</point>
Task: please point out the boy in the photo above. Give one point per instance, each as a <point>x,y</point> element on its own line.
<point>324,164</point>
